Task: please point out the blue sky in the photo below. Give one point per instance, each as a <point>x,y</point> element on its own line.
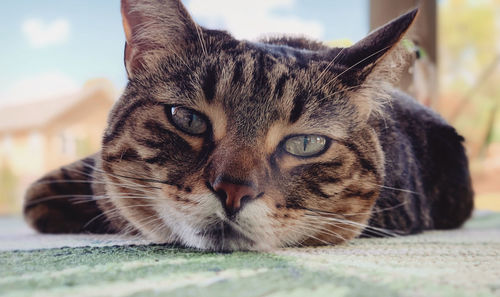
<point>54,46</point>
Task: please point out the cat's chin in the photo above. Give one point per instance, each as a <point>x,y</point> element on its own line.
<point>221,238</point>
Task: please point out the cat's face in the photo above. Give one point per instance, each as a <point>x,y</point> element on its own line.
<point>224,144</point>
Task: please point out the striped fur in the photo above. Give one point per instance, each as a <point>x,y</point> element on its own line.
<point>387,168</point>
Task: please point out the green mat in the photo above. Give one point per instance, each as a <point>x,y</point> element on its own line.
<point>463,262</point>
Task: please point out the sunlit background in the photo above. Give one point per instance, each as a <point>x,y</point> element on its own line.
<point>61,69</point>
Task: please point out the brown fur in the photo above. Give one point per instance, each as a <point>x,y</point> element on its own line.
<point>159,181</point>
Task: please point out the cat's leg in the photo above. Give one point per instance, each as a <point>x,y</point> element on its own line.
<point>64,200</point>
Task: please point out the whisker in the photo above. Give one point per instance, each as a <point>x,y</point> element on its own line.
<point>55,197</point>
<point>314,237</point>
<point>70,181</point>
<point>375,230</point>
<point>346,221</point>
<point>120,197</point>
<point>398,189</point>
<point>130,183</point>
<point>88,198</point>
<point>320,220</point>
<point>323,229</point>
<point>132,177</point>
<point>377,210</point>
<point>104,213</point>
<point>150,220</point>
<point>328,66</point>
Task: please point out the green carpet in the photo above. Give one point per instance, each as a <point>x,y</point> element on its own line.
<point>463,262</point>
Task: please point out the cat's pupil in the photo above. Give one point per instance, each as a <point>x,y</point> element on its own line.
<point>191,118</point>
<point>306,140</point>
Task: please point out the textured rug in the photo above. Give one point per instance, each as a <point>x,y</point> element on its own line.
<point>463,262</point>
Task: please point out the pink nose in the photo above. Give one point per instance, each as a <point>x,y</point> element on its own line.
<point>233,196</point>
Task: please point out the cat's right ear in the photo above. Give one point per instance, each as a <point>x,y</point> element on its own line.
<point>154,28</point>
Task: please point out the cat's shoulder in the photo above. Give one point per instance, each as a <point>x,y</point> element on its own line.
<point>416,119</point>
<point>402,105</point>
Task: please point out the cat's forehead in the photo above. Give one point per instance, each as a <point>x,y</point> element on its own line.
<point>263,84</point>
<point>251,86</point>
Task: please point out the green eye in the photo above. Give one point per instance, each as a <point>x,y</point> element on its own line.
<point>188,120</point>
<point>305,145</point>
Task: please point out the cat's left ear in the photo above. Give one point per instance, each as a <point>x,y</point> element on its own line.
<point>154,28</point>
<point>361,58</point>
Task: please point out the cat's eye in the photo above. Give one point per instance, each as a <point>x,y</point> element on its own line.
<point>188,120</point>
<point>305,145</point>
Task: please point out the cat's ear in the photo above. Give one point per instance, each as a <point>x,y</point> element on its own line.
<point>363,56</point>
<point>373,64</point>
<point>154,27</point>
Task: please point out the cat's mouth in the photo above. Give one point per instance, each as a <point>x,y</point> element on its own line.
<point>226,236</point>
<point>222,230</point>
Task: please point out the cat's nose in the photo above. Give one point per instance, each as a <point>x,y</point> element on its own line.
<point>232,195</point>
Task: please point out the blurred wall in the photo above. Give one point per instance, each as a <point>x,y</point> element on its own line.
<point>48,134</point>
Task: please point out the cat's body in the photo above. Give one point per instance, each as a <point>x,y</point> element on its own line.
<point>424,155</point>
<point>224,144</point>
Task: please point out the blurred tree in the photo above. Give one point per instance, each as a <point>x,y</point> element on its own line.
<point>469,60</point>
<point>467,32</point>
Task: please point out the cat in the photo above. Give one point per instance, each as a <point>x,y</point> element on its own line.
<point>223,144</point>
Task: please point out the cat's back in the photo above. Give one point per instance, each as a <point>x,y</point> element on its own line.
<point>426,159</point>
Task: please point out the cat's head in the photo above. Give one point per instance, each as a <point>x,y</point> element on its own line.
<point>225,144</point>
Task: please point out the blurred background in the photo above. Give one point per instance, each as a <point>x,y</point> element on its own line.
<point>61,70</point>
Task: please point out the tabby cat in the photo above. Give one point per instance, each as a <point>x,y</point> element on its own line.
<point>225,144</point>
